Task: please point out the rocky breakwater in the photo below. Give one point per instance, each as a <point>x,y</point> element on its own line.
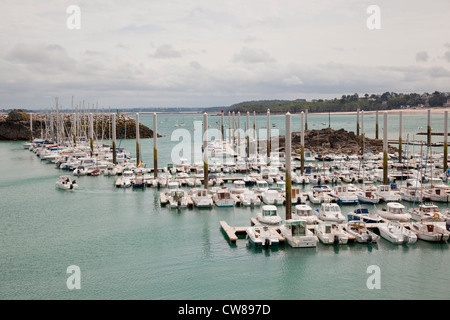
<point>329,141</point>
<point>16,126</point>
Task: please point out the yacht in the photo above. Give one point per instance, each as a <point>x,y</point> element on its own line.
<point>330,212</point>
<point>427,212</point>
<point>297,234</point>
<point>360,232</point>
<point>262,236</point>
<point>396,233</point>
<point>269,215</point>
<point>201,198</point>
<point>222,198</point>
<point>320,194</point>
<point>344,195</point>
<point>395,211</point>
<point>306,213</point>
<point>429,232</point>
<point>387,194</point>
<point>438,193</point>
<point>331,233</point>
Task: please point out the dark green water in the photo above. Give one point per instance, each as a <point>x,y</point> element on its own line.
<point>128,247</point>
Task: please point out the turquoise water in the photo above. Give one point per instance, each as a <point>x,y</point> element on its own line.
<point>128,247</point>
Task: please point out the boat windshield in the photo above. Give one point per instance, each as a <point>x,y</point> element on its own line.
<point>270,213</point>
<point>298,229</point>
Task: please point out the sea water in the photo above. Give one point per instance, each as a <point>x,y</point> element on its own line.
<point>129,247</point>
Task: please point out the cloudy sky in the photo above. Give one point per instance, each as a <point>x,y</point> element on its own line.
<point>216,53</point>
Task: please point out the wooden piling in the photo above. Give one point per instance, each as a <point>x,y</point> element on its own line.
<point>288,155</point>
<point>376,125</point>
<point>302,144</point>
<point>113,133</point>
<point>138,142</point>
<point>445,140</point>
<point>268,135</point>
<point>385,150</point>
<point>155,145</point>
<point>400,141</point>
<point>205,150</point>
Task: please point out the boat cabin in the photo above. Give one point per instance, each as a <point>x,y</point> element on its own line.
<point>297,227</point>
<point>269,211</point>
<point>395,207</point>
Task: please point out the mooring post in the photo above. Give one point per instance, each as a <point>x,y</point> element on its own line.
<point>248,135</point>
<point>357,122</point>
<point>445,139</point>
<point>91,132</point>
<point>385,150</point>
<point>205,150</point>
<point>362,134</point>
<point>155,145</point>
<point>288,154</point>
<point>138,142</point>
<point>268,136</point>
<point>306,119</point>
<point>302,144</point>
<point>31,127</point>
<point>376,124</point>
<point>429,128</point>
<point>113,133</point>
<point>400,141</point>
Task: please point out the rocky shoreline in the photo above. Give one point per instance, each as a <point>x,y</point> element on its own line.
<point>329,141</point>
<point>15,126</point>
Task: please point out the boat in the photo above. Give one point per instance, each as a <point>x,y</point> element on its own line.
<point>429,232</point>
<point>331,233</point>
<point>320,194</point>
<point>427,212</point>
<point>358,229</point>
<point>330,212</point>
<point>269,215</point>
<point>412,191</point>
<point>297,196</point>
<point>249,198</point>
<point>297,234</point>
<point>395,232</point>
<point>367,195</point>
<point>305,213</point>
<point>272,196</point>
<point>238,187</point>
<point>438,193</point>
<point>365,215</point>
<point>344,195</point>
<point>395,211</point>
<point>138,182</point>
<point>126,179</point>
<point>387,194</point>
<point>261,186</point>
<point>201,198</point>
<point>222,198</point>
<point>64,183</point>
<point>262,236</point>
<point>80,171</point>
<point>177,199</point>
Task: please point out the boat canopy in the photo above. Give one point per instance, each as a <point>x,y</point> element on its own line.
<point>298,227</point>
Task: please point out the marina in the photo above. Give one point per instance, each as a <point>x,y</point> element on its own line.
<point>224,231</point>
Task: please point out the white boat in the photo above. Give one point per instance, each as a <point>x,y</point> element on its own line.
<point>367,195</point>
<point>427,212</point>
<point>297,196</point>
<point>357,228</point>
<point>330,212</point>
<point>429,232</point>
<point>299,179</point>
<point>126,179</point>
<point>261,186</point>
<point>272,196</point>
<point>64,183</point>
<point>178,199</point>
<point>249,198</point>
<point>331,233</point>
<point>80,171</point>
<point>395,211</point>
<point>387,194</point>
<point>201,198</point>
<point>396,233</point>
<point>320,194</point>
<point>412,191</point>
<point>238,187</point>
<point>297,234</point>
<point>269,215</point>
<point>306,213</point>
<point>222,198</point>
<point>438,193</point>
<point>262,236</point>
<point>344,195</point>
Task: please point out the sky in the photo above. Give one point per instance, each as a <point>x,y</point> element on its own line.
<point>216,53</point>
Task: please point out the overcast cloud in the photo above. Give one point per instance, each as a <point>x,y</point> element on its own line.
<point>213,53</point>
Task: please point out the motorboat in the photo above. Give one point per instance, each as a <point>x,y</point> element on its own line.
<point>305,213</point>
<point>299,179</point>
<point>178,199</point>
<point>269,215</point>
<point>412,191</point>
<point>126,180</point>
<point>387,194</point>
<point>222,198</point>
<point>429,231</point>
<point>330,212</point>
<point>139,182</point>
<point>262,236</point>
<point>364,215</point>
<point>272,196</point>
<point>344,195</point>
<point>249,199</point>
<point>64,183</point>
<point>331,233</point>
<point>297,234</point>
<point>438,193</point>
<point>238,187</point>
<point>427,212</point>
<point>261,186</point>
<point>396,233</point>
<point>395,211</point>
<point>320,194</point>
<point>201,198</point>
<point>297,196</point>
<point>358,229</point>
<point>366,195</point>
<point>80,171</point>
